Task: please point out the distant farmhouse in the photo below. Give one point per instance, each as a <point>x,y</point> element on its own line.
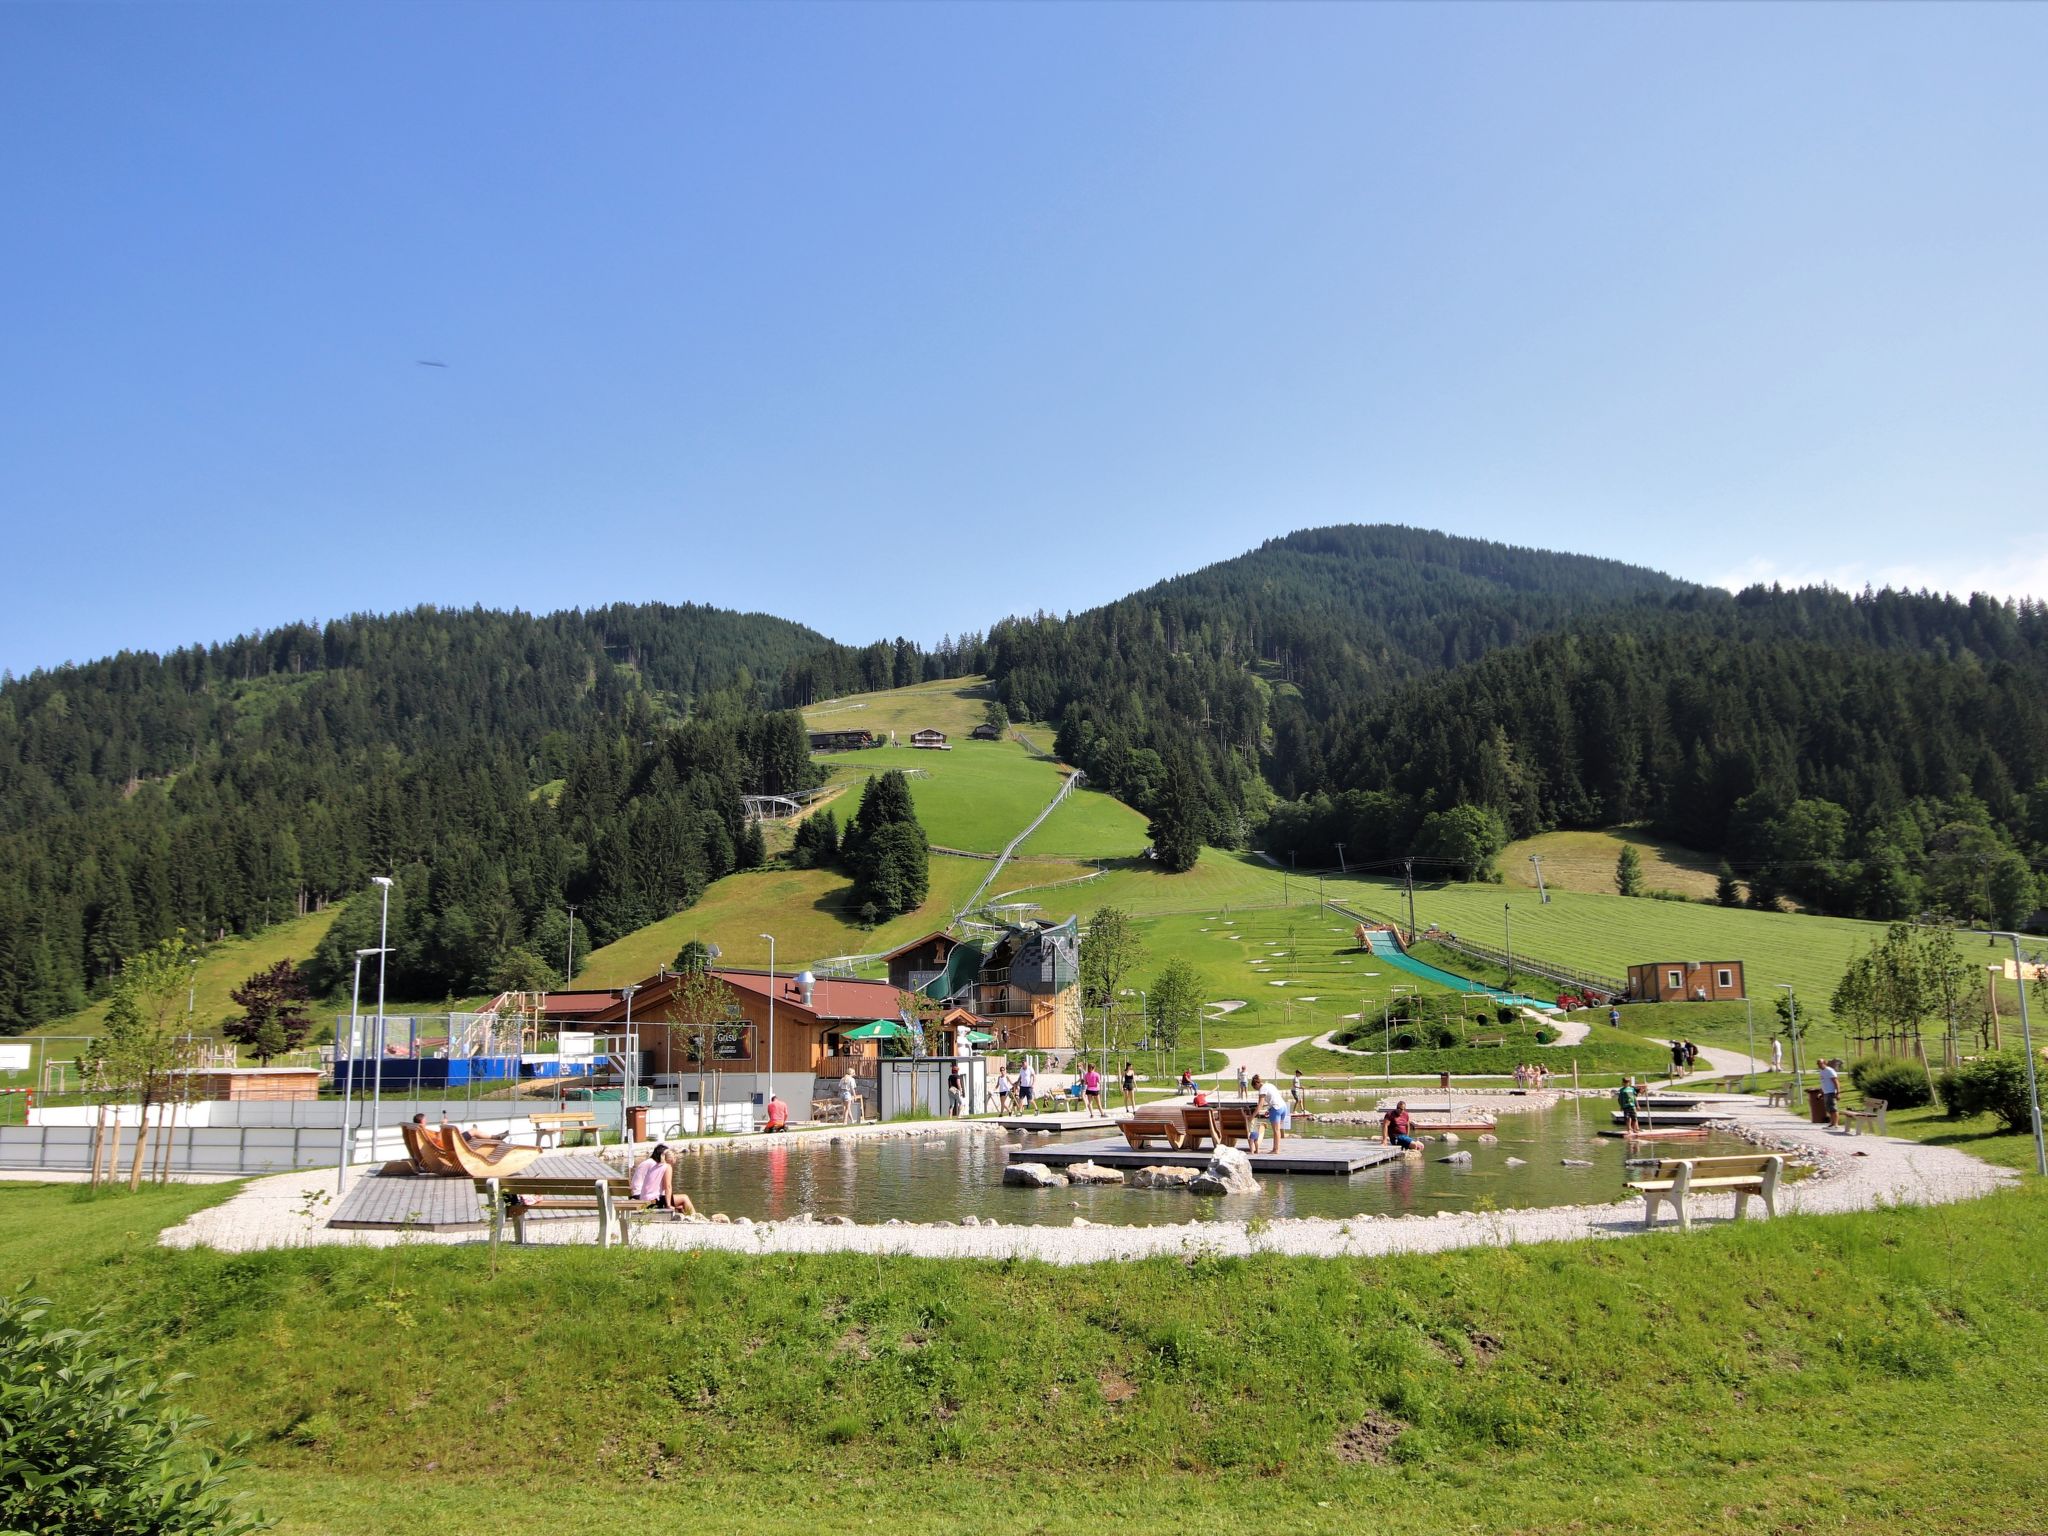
<point>1686,981</point>
<point>985,732</point>
<point>929,739</point>
<point>841,741</point>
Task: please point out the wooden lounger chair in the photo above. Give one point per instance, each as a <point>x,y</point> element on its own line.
<point>500,1162</point>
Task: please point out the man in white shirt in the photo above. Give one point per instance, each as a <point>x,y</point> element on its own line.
<point>1027,1083</point>
<point>1272,1110</point>
<point>1831,1092</point>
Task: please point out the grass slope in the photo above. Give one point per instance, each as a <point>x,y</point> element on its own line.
<point>1091,824</point>
<point>954,705</point>
<point>1609,933</point>
<point>1839,1373</point>
<point>976,796</point>
<point>1584,861</point>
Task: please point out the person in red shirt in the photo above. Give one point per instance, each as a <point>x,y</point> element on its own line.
<point>778,1113</point>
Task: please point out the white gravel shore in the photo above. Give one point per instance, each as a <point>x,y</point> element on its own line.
<point>1856,1173</point>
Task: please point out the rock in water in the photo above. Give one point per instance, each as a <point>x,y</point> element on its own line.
<point>1033,1176</point>
<point>1488,1139</point>
<point>1449,1138</point>
<point>1455,1157</point>
<point>1229,1173</point>
<point>1091,1173</point>
<point>1575,1162</point>
<point>1161,1177</point>
<point>1516,1162</point>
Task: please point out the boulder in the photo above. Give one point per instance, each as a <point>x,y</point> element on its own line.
<point>838,1221</point>
<point>1161,1177</point>
<point>970,1221</point>
<point>1575,1162</point>
<point>1449,1138</point>
<point>1091,1173</point>
<point>1033,1176</point>
<point>1516,1162</point>
<point>1455,1157</point>
<point>1488,1139</point>
<point>721,1218</point>
<point>1229,1173</point>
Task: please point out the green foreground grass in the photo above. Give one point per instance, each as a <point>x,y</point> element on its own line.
<point>1841,1373</point>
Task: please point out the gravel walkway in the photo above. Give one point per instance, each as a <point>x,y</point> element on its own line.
<point>1858,1173</point>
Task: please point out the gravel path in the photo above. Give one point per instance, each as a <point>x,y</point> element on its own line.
<point>1720,1062</point>
<point>1261,1059</point>
<point>1858,1173</point>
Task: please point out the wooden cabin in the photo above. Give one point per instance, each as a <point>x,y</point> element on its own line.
<point>1686,981</point>
<point>985,732</point>
<point>841,741</point>
<point>929,740</point>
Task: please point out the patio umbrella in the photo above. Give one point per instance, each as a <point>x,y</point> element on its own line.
<point>880,1029</point>
<point>980,1037</point>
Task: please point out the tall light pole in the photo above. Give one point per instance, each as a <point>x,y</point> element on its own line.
<point>2027,1040</point>
<point>771,1018</point>
<point>1341,868</point>
<point>628,1092</point>
<point>344,1154</point>
<point>191,988</point>
<point>1508,936</point>
<point>1792,1029</point>
<point>1749,1015</point>
<point>569,964</point>
<point>383,951</point>
<point>1543,896</point>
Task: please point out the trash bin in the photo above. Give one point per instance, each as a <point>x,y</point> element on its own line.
<point>636,1122</point>
<point>1443,1080</point>
<point>1817,1106</point>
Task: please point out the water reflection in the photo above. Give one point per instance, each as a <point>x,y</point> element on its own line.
<point>948,1176</point>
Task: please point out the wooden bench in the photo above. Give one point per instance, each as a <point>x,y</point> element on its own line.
<point>1732,1082</point>
<point>1147,1129</point>
<point>1675,1178</point>
<point>1231,1124</point>
<point>523,1194</point>
<point>1777,1098</point>
<point>1857,1121</point>
<point>555,1122</point>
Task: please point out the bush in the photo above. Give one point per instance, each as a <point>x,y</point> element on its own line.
<point>1901,1084</point>
<point>89,1444</point>
<point>1990,1085</point>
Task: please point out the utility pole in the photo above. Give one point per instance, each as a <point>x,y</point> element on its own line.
<point>1507,912</point>
<point>1543,896</point>
<point>1408,869</point>
<point>1341,869</point>
<point>569,965</point>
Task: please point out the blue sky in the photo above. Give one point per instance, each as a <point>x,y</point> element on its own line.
<point>895,320</point>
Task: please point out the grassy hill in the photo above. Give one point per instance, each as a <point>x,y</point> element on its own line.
<point>977,796</point>
<point>1090,824</point>
<point>953,705</point>
<point>1843,1373</point>
<point>1607,933</point>
<point>1584,861</point>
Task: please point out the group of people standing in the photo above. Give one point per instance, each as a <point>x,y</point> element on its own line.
<point>1683,1054</point>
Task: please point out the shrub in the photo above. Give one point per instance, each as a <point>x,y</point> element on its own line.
<point>1994,1085</point>
<point>1901,1084</point>
<point>89,1444</point>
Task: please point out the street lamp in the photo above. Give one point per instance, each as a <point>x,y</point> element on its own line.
<point>1508,937</point>
<point>2027,1040</point>
<point>629,1092</point>
<point>344,1154</point>
<point>192,988</point>
<point>771,1018</point>
<point>1792,1028</point>
<point>569,964</point>
<point>383,949</point>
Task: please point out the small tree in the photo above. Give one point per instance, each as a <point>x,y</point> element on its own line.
<point>693,956</point>
<point>1727,892</point>
<point>996,715</point>
<point>1110,951</point>
<point>1628,871</point>
<point>1176,1003</point>
<point>146,1039</point>
<point>700,1007</point>
<point>273,1018</point>
<point>520,970</point>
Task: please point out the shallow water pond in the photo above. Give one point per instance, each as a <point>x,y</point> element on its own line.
<point>942,1178</point>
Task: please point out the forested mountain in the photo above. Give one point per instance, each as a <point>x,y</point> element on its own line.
<point>217,789</point>
<point>1403,692</point>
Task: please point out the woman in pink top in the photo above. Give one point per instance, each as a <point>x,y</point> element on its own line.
<point>653,1180</point>
<point>1091,1089</point>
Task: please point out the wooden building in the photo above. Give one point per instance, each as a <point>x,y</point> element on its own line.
<point>929,740</point>
<point>841,741</point>
<point>241,1085</point>
<point>985,732</point>
<point>1686,981</point>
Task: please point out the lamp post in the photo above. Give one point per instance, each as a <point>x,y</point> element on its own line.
<point>1792,1029</point>
<point>383,949</point>
<point>348,1093</point>
<point>2027,1040</point>
<point>569,962</point>
<point>771,1018</point>
<point>191,988</point>
<point>1749,1016</point>
<point>630,1091</point>
<point>1508,938</point>
<point>1542,895</point>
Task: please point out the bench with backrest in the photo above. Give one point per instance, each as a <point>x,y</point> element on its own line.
<point>1231,1123</point>
<point>521,1194</point>
<point>1488,1040</point>
<point>555,1122</point>
<point>1145,1130</point>
<point>1869,1117</point>
<point>1674,1179</point>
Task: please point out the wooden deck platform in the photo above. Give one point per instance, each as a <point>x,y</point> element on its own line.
<point>1059,1124</point>
<point>379,1202</point>
<point>1298,1154</point>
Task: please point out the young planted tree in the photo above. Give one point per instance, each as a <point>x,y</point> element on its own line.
<point>1176,1003</point>
<point>701,1007</point>
<point>273,1018</point>
<point>1628,871</point>
<point>1110,951</point>
<point>146,1039</point>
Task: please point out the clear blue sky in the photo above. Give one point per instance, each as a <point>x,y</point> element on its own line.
<point>894,320</point>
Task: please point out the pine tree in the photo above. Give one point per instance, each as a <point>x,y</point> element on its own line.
<point>1628,871</point>
<point>1727,892</point>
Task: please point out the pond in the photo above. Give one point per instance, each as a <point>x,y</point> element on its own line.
<point>956,1174</point>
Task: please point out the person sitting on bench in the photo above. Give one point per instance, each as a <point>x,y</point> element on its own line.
<point>1397,1127</point>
